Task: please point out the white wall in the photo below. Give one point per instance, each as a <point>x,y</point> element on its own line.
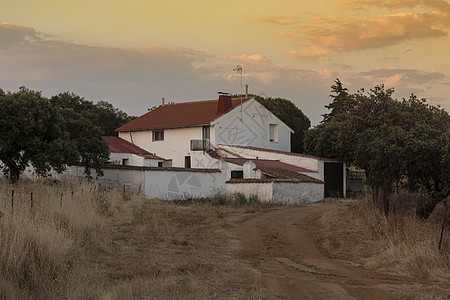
<point>167,183</point>
<point>261,189</point>
<point>250,127</point>
<point>296,160</point>
<point>279,192</point>
<point>202,160</point>
<point>176,144</point>
<point>303,192</point>
<point>171,185</point>
<point>133,160</point>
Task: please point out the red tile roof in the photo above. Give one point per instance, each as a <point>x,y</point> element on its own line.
<point>179,115</point>
<point>265,163</point>
<point>119,145</point>
<point>290,175</point>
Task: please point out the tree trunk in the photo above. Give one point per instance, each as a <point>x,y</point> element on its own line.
<point>14,173</point>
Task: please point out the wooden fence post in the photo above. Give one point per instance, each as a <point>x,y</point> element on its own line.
<point>444,223</point>
<point>12,201</point>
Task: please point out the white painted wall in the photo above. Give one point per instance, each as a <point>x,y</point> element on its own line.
<point>303,192</point>
<point>203,160</point>
<point>249,126</point>
<point>300,161</point>
<point>279,192</point>
<point>133,160</point>
<point>164,184</point>
<point>171,185</point>
<point>262,189</point>
<point>249,169</point>
<point>176,144</point>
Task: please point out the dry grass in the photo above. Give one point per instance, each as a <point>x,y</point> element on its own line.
<point>101,244</point>
<point>402,244</point>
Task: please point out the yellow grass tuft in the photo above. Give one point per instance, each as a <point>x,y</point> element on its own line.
<point>401,244</point>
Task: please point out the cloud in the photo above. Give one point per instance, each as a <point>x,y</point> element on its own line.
<point>127,77</point>
<point>395,77</point>
<point>278,19</point>
<point>252,61</point>
<point>440,5</point>
<point>13,35</point>
<point>342,33</point>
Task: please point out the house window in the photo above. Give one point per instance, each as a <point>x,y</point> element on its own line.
<point>125,161</point>
<point>237,174</point>
<point>160,164</point>
<point>187,161</point>
<point>158,135</point>
<point>273,133</point>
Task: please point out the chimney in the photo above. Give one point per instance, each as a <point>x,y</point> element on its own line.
<point>224,103</point>
<point>162,101</point>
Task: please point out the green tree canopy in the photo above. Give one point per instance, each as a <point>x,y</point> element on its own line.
<point>291,115</point>
<point>395,142</point>
<point>35,132</point>
<point>103,114</point>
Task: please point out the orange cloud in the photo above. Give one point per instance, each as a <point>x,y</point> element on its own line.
<point>338,34</point>
<point>395,76</point>
<point>252,62</point>
<point>278,19</point>
<point>440,5</point>
<point>324,35</point>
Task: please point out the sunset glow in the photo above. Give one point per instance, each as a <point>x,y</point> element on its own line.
<point>136,52</point>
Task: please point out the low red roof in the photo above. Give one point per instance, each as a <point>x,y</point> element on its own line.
<point>290,175</point>
<point>178,115</point>
<point>119,145</point>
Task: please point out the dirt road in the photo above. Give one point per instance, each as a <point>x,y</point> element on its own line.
<point>280,244</point>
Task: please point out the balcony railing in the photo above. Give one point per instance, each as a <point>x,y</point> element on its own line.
<point>197,145</point>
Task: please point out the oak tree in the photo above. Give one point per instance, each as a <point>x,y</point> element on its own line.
<point>33,132</point>
<point>395,142</point>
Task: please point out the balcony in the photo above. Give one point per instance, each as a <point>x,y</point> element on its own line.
<point>201,145</point>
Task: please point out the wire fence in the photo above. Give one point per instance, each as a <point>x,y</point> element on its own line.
<point>15,199</point>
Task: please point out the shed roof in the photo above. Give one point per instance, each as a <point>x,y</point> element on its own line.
<point>179,115</point>
<point>119,145</point>
<point>288,174</point>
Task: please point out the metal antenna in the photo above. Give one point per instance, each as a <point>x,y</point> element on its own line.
<point>239,70</point>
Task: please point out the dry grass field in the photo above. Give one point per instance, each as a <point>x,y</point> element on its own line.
<point>402,244</point>
<point>77,241</point>
<point>74,240</point>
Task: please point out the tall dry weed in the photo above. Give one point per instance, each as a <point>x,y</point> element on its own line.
<point>402,243</point>
<point>44,231</point>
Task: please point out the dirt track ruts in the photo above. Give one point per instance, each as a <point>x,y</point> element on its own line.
<point>280,244</point>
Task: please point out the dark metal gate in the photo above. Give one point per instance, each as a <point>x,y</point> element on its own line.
<point>334,179</point>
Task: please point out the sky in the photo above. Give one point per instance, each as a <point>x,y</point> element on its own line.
<point>133,53</point>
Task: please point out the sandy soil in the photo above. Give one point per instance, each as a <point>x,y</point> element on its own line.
<point>281,245</point>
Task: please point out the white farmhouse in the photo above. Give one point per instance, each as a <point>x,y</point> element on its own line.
<point>228,145</point>
<point>186,133</point>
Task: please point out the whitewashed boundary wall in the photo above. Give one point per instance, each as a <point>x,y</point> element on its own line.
<point>160,183</point>
<point>278,191</point>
